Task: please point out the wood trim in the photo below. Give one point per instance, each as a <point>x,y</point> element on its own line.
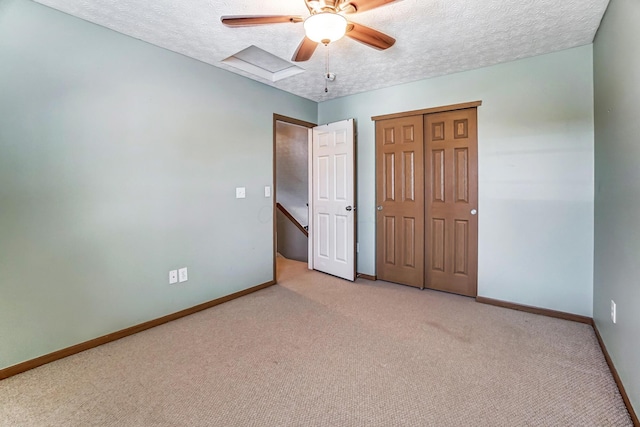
<point>366,277</point>
<point>428,110</point>
<point>616,378</point>
<point>536,310</point>
<point>292,121</point>
<point>60,354</point>
<point>290,217</point>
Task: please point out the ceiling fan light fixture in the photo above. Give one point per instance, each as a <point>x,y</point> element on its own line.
<point>325,27</point>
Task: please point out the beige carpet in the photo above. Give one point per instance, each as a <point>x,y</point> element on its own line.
<point>318,351</point>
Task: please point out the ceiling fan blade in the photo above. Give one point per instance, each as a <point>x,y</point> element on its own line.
<point>305,50</point>
<point>364,5</point>
<point>369,36</point>
<point>248,21</point>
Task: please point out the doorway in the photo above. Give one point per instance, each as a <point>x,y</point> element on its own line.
<point>291,190</point>
<point>325,202</point>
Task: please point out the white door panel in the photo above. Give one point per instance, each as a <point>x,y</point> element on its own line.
<point>332,225</point>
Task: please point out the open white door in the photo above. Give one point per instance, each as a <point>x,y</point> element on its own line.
<point>332,223</point>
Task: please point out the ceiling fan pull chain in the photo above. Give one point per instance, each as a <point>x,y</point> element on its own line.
<point>326,74</point>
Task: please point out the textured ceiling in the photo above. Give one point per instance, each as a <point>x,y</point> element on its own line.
<point>434,37</point>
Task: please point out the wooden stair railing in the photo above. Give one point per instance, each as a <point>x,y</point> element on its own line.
<point>286,213</point>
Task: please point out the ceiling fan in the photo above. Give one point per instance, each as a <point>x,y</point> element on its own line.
<point>325,24</point>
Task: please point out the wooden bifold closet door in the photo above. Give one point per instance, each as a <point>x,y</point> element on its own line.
<point>427,200</point>
<point>451,168</point>
<point>400,200</point>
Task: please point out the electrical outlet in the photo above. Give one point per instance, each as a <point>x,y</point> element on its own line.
<point>173,277</point>
<point>241,192</point>
<point>182,275</point>
<point>613,311</point>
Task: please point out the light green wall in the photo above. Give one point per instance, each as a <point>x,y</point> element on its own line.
<point>617,195</point>
<point>535,172</point>
<point>118,163</point>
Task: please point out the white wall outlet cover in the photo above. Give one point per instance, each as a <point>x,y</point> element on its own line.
<point>173,277</point>
<point>241,192</point>
<point>182,275</point>
<point>267,191</point>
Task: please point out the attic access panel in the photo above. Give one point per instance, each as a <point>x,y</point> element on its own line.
<point>263,64</point>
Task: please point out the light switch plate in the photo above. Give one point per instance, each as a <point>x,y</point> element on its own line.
<point>241,192</point>
<point>267,191</point>
<point>173,277</point>
<point>182,275</point>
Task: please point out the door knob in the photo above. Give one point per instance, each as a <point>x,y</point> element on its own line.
<point>379,208</point>
<point>349,208</point>
<point>473,211</point>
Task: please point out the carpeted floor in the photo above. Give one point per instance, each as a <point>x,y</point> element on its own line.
<point>318,351</point>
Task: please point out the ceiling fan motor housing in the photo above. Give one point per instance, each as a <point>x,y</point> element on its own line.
<point>326,23</point>
<point>334,6</point>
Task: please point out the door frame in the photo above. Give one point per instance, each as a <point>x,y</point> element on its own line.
<point>292,121</point>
